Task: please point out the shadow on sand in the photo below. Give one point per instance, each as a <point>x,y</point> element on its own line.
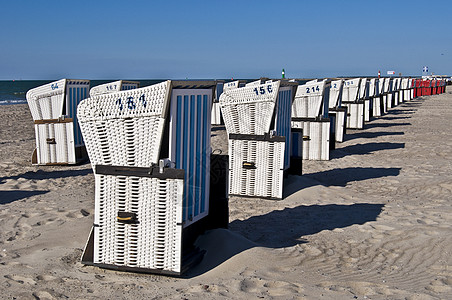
<point>11,196</point>
<point>278,229</point>
<point>40,174</point>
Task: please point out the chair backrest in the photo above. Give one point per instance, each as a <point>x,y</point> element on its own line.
<point>125,128</point>
<point>249,110</point>
<point>364,89</point>
<point>335,93</point>
<point>111,87</point>
<point>46,101</point>
<point>387,85</point>
<point>308,101</point>
<point>350,89</point>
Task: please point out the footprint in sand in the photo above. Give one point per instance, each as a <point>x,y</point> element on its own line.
<point>21,279</point>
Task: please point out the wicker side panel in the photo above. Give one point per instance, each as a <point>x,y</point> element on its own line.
<point>355,118</point>
<point>264,176</point>
<point>341,118</point>
<point>316,139</point>
<point>367,111</point>
<point>154,240</point>
<point>376,106</point>
<point>215,114</point>
<point>55,143</point>
<point>340,124</point>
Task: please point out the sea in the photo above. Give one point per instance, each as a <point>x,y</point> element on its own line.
<point>15,91</point>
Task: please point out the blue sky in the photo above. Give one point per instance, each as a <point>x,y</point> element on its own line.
<point>222,39</point>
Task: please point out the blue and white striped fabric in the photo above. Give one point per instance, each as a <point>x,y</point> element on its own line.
<point>76,91</point>
<point>283,120</point>
<point>190,147</point>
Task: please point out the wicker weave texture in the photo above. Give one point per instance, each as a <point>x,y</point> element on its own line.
<point>55,143</point>
<point>249,110</point>
<point>316,141</point>
<point>154,240</point>
<point>124,128</point>
<point>124,142</point>
<point>266,178</point>
<point>143,102</point>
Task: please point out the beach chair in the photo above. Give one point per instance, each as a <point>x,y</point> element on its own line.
<point>365,97</point>
<point>385,93</point>
<point>404,90</point>
<point>336,112</point>
<point>372,88</point>
<point>396,91</point>
<point>355,106</point>
<point>115,86</point>
<point>150,152</point>
<point>53,108</point>
<point>389,94</point>
<point>310,113</point>
<point>257,121</point>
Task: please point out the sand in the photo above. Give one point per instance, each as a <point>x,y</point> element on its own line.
<point>374,222</point>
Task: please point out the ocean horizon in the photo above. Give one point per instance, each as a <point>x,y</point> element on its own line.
<point>15,91</point>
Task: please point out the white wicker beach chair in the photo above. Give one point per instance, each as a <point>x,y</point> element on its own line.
<point>336,111</point>
<point>378,104</point>
<point>257,120</point>
<point>355,105</point>
<point>387,96</point>
<point>310,113</point>
<point>115,86</point>
<point>150,151</point>
<point>53,108</point>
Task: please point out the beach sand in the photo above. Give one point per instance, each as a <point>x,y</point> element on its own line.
<point>374,222</point>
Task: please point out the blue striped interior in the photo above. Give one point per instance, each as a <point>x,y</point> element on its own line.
<point>205,154</point>
<point>192,136</point>
<point>75,95</point>
<point>283,122</point>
